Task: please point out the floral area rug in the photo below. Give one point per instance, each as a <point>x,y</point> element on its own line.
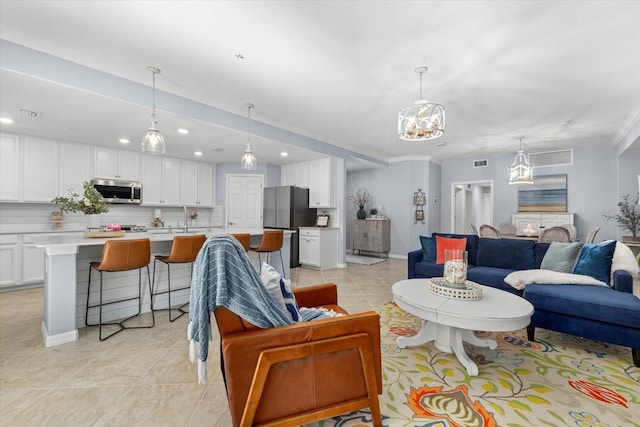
<point>559,380</point>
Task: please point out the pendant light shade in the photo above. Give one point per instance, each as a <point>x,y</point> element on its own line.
<point>423,120</point>
<point>520,172</point>
<point>153,141</point>
<point>248,161</point>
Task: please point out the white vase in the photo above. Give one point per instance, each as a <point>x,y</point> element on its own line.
<point>93,221</point>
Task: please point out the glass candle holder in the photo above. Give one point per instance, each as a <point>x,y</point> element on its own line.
<point>455,266</point>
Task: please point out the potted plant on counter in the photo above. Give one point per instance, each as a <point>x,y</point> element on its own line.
<point>628,218</point>
<point>89,203</point>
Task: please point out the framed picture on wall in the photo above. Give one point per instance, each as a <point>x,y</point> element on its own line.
<point>548,193</point>
<point>419,215</point>
<point>322,220</point>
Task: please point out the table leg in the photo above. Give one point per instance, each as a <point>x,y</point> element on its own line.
<point>458,349</point>
<point>427,333</point>
<point>471,338</point>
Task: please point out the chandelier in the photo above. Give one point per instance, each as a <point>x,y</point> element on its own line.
<point>520,172</point>
<point>248,162</point>
<point>153,141</point>
<point>423,120</point>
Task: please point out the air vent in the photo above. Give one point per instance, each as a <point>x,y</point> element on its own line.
<point>480,163</point>
<point>551,158</point>
<point>30,114</point>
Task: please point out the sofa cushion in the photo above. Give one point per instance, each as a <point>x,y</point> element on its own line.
<point>444,243</point>
<point>540,251</point>
<point>472,244</point>
<point>428,248</point>
<point>599,303</point>
<point>491,276</point>
<point>595,260</point>
<point>511,254</point>
<point>561,257</point>
<point>428,269</point>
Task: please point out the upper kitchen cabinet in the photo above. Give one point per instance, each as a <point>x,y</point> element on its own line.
<point>197,184</point>
<point>76,167</point>
<point>160,181</point>
<point>295,174</point>
<point>39,170</point>
<point>9,167</point>
<point>116,164</point>
<point>323,178</point>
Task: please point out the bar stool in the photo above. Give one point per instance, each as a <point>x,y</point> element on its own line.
<point>121,255</point>
<point>244,239</point>
<point>183,249</point>
<point>271,241</point>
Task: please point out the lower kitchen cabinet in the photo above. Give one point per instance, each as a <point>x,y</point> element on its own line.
<point>9,260</point>
<point>21,262</point>
<point>318,247</point>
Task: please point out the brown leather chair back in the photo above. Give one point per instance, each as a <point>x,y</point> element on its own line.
<point>244,239</point>
<point>185,248</point>
<point>272,240</point>
<point>123,255</point>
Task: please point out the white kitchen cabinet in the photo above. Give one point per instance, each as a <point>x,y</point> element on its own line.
<point>116,164</point>
<point>318,247</point>
<point>9,168</point>
<point>39,170</point>
<point>160,181</point>
<point>323,178</point>
<point>75,168</point>
<point>295,174</point>
<point>9,260</point>
<point>197,184</point>
<point>32,262</point>
<point>540,221</point>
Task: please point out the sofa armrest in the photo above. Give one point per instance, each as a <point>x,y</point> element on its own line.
<point>413,258</point>
<point>622,281</point>
<point>317,295</point>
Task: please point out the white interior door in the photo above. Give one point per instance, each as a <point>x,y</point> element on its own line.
<point>473,206</point>
<point>244,202</point>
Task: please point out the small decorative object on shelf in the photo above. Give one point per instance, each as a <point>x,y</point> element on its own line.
<point>361,199</point>
<point>469,291</point>
<point>56,218</point>
<point>455,266</point>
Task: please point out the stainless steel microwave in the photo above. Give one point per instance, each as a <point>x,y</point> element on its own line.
<point>115,191</point>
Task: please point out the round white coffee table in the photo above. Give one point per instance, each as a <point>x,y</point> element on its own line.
<point>450,321</point>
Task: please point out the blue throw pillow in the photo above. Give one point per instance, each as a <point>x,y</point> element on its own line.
<point>429,252</point>
<point>595,260</point>
<point>280,290</point>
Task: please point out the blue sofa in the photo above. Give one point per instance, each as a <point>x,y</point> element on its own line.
<point>608,314</point>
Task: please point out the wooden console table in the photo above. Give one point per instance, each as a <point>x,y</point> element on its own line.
<point>370,235</point>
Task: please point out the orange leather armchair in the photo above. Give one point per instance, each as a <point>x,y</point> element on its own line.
<point>305,372</point>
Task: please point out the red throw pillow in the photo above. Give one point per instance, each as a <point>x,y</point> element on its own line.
<point>443,243</point>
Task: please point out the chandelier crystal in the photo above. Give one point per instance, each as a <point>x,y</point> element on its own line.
<point>248,162</point>
<point>520,172</point>
<point>153,141</point>
<point>423,120</point>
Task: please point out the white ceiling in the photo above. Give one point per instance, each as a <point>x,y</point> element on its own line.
<point>558,74</point>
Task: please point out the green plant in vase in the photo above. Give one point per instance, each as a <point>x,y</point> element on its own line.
<point>89,203</point>
<point>629,216</point>
<point>361,198</point>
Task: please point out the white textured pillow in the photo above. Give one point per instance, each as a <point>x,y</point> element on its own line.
<point>280,290</point>
<point>623,259</point>
<point>521,278</point>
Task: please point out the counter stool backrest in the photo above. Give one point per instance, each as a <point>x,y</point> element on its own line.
<point>185,248</point>
<point>244,239</point>
<point>123,255</point>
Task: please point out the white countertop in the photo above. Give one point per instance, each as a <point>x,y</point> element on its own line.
<point>155,235</point>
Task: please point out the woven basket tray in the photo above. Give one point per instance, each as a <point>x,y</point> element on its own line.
<point>103,234</point>
<point>469,292</point>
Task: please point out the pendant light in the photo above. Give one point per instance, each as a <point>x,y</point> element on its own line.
<point>153,141</point>
<point>248,162</point>
<point>520,172</point>
<point>423,120</point>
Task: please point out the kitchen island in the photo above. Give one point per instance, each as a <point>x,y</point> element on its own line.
<point>66,264</point>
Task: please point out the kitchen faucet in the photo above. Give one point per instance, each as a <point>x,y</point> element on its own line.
<point>186,227</point>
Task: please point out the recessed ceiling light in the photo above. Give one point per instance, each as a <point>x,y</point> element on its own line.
<point>284,154</point>
<point>183,131</point>
<point>124,140</point>
<point>6,120</point>
<point>198,153</point>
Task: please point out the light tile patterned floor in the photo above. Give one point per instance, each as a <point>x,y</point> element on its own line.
<point>138,377</point>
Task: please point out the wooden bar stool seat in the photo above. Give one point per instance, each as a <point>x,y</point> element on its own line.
<point>272,241</point>
<point>121,255</point>
<point>184,249</point>
<point>244,239</point>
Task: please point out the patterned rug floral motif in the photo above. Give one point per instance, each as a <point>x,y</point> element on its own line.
<point>559,380</point>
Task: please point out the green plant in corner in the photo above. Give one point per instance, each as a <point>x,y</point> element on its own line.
<point>629,216</point>
<point>91,202</point>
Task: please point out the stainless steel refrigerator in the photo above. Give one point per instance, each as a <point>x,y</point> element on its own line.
<point>288,208</point>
